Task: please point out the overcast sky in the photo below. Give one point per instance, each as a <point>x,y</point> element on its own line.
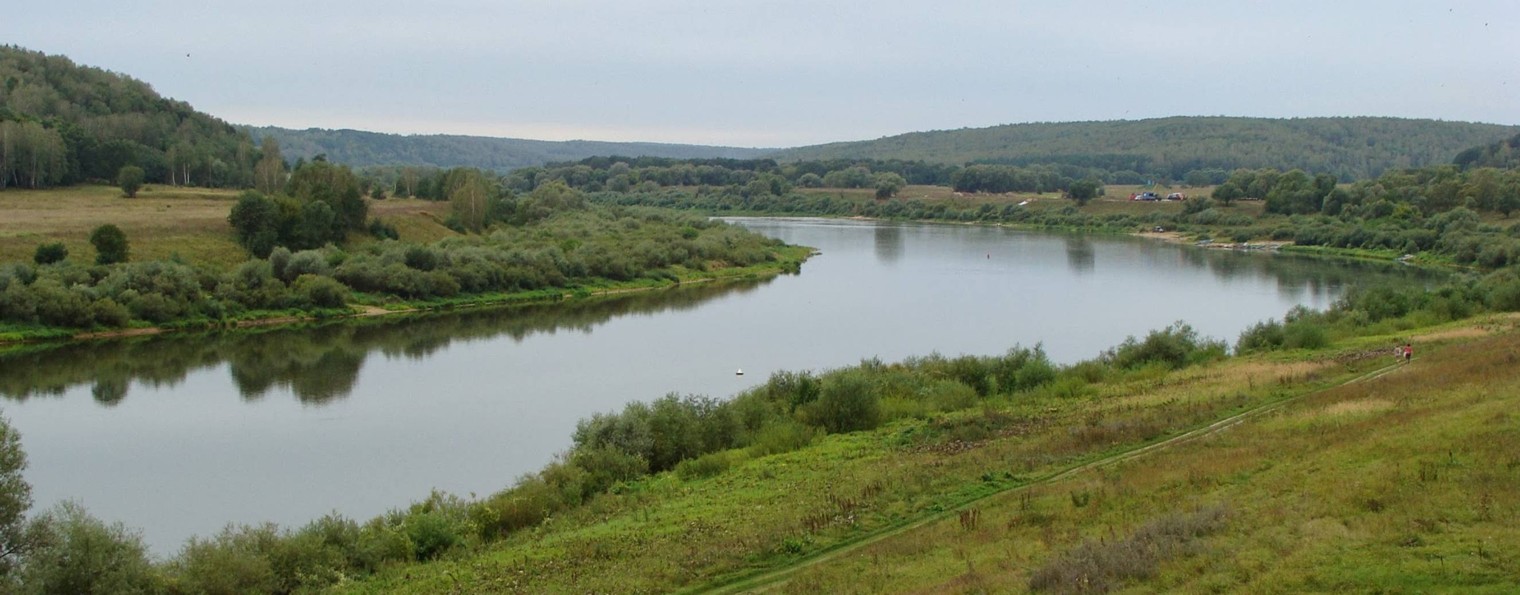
<point>787,73</point>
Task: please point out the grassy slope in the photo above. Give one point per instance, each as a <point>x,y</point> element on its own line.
<point>1326,492</point>
<point>1405,482</point>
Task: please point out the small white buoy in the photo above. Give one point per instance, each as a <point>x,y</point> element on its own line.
<point>740,372</point>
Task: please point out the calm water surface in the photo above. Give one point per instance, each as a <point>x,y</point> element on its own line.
<point>179,436</point>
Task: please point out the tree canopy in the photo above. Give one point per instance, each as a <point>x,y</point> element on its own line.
<point>62,123</point>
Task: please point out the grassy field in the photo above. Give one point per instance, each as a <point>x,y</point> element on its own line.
<point>162,222</point>
<point>1404,481</point>
<point>165,222</point>
<point>1340,471</point>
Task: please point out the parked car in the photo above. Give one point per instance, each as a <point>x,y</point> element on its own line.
<point>1176,196</point>
<point>1145,196</point>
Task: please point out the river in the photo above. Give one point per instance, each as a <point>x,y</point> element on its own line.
<point>180,435</point>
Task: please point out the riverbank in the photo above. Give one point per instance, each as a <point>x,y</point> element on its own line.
<point>789,260</point>
<point>1175,469</point>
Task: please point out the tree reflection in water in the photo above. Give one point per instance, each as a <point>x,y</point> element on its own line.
<point>317,362</point>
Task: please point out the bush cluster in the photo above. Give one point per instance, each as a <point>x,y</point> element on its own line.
<point>1173,347</point>
<point>570,249</point>
<point>1384,309</point>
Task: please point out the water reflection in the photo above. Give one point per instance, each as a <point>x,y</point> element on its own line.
<point>1080,256</point>
<point>889,243</point>
<point>317,362</point>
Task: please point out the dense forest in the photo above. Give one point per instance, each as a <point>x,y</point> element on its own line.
<point>1502,154</point>
<point>62,123</point>
<point>358,148</point>
<point>1347,148</point>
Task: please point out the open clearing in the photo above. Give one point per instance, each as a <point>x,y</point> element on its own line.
<point>165,222</point>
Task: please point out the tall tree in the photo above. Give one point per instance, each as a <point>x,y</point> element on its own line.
<point>470,198</point>
<point>15,498</point>
<point>269,173</point>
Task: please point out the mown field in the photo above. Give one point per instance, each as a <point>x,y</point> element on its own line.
<point>165,222</point>
<point>1339,470</point>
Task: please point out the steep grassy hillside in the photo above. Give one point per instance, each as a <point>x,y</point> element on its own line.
<point>1349,148</point>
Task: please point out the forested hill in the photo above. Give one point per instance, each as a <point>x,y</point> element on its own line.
<point>358,148</point>
<point>65,123</point>
<point>1349,148</point>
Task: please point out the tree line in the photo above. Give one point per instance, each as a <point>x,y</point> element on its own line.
<point>1170,148</point>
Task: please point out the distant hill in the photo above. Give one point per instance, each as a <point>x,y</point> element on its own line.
<point>358,148</point>
<point>1349,148</point>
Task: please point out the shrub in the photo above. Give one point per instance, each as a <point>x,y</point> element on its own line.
<point>1503,291</point>
<point>305,262</point>
<point>779,436</point>
<point>106,312</point>
<point>383,230</point>
<point>1262,336</point>
<point>110,244</point>
<point>231,562</point>
<point>57,305</point>
<point>706,465</point>
<point>130,179</point>
<point>524,505</point>
<point>1022,369</point>
<point>50,253</point>
<point>846,403</point>
<point>606,467</point>
<point>1175,346</point>
<point>380,544</point>
<point>82,554</point>
<point>323,292</point>
<point>1305,335</point>
<point>431,534</point>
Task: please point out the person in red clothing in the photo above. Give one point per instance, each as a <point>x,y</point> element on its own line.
<point>1408,352</point>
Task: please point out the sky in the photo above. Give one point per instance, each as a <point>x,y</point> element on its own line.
<point>782,73</point>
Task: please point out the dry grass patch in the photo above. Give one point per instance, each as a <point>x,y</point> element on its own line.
<point>162,222</point>
<point>1350,408</point>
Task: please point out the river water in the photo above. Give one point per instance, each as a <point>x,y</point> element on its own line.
<point>178,436</point>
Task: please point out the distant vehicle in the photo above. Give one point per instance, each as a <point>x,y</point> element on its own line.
<point>1176,196</point>
<point>1144,196</point>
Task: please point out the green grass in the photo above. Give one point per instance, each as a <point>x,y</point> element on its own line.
<point>1404,482</point>
<point>665,533</point>
<point>1400,481</point>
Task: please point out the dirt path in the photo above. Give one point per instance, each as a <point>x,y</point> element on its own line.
<point>777,577</point>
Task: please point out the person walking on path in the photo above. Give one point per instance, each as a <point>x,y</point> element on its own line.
<point>1408,352</point>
